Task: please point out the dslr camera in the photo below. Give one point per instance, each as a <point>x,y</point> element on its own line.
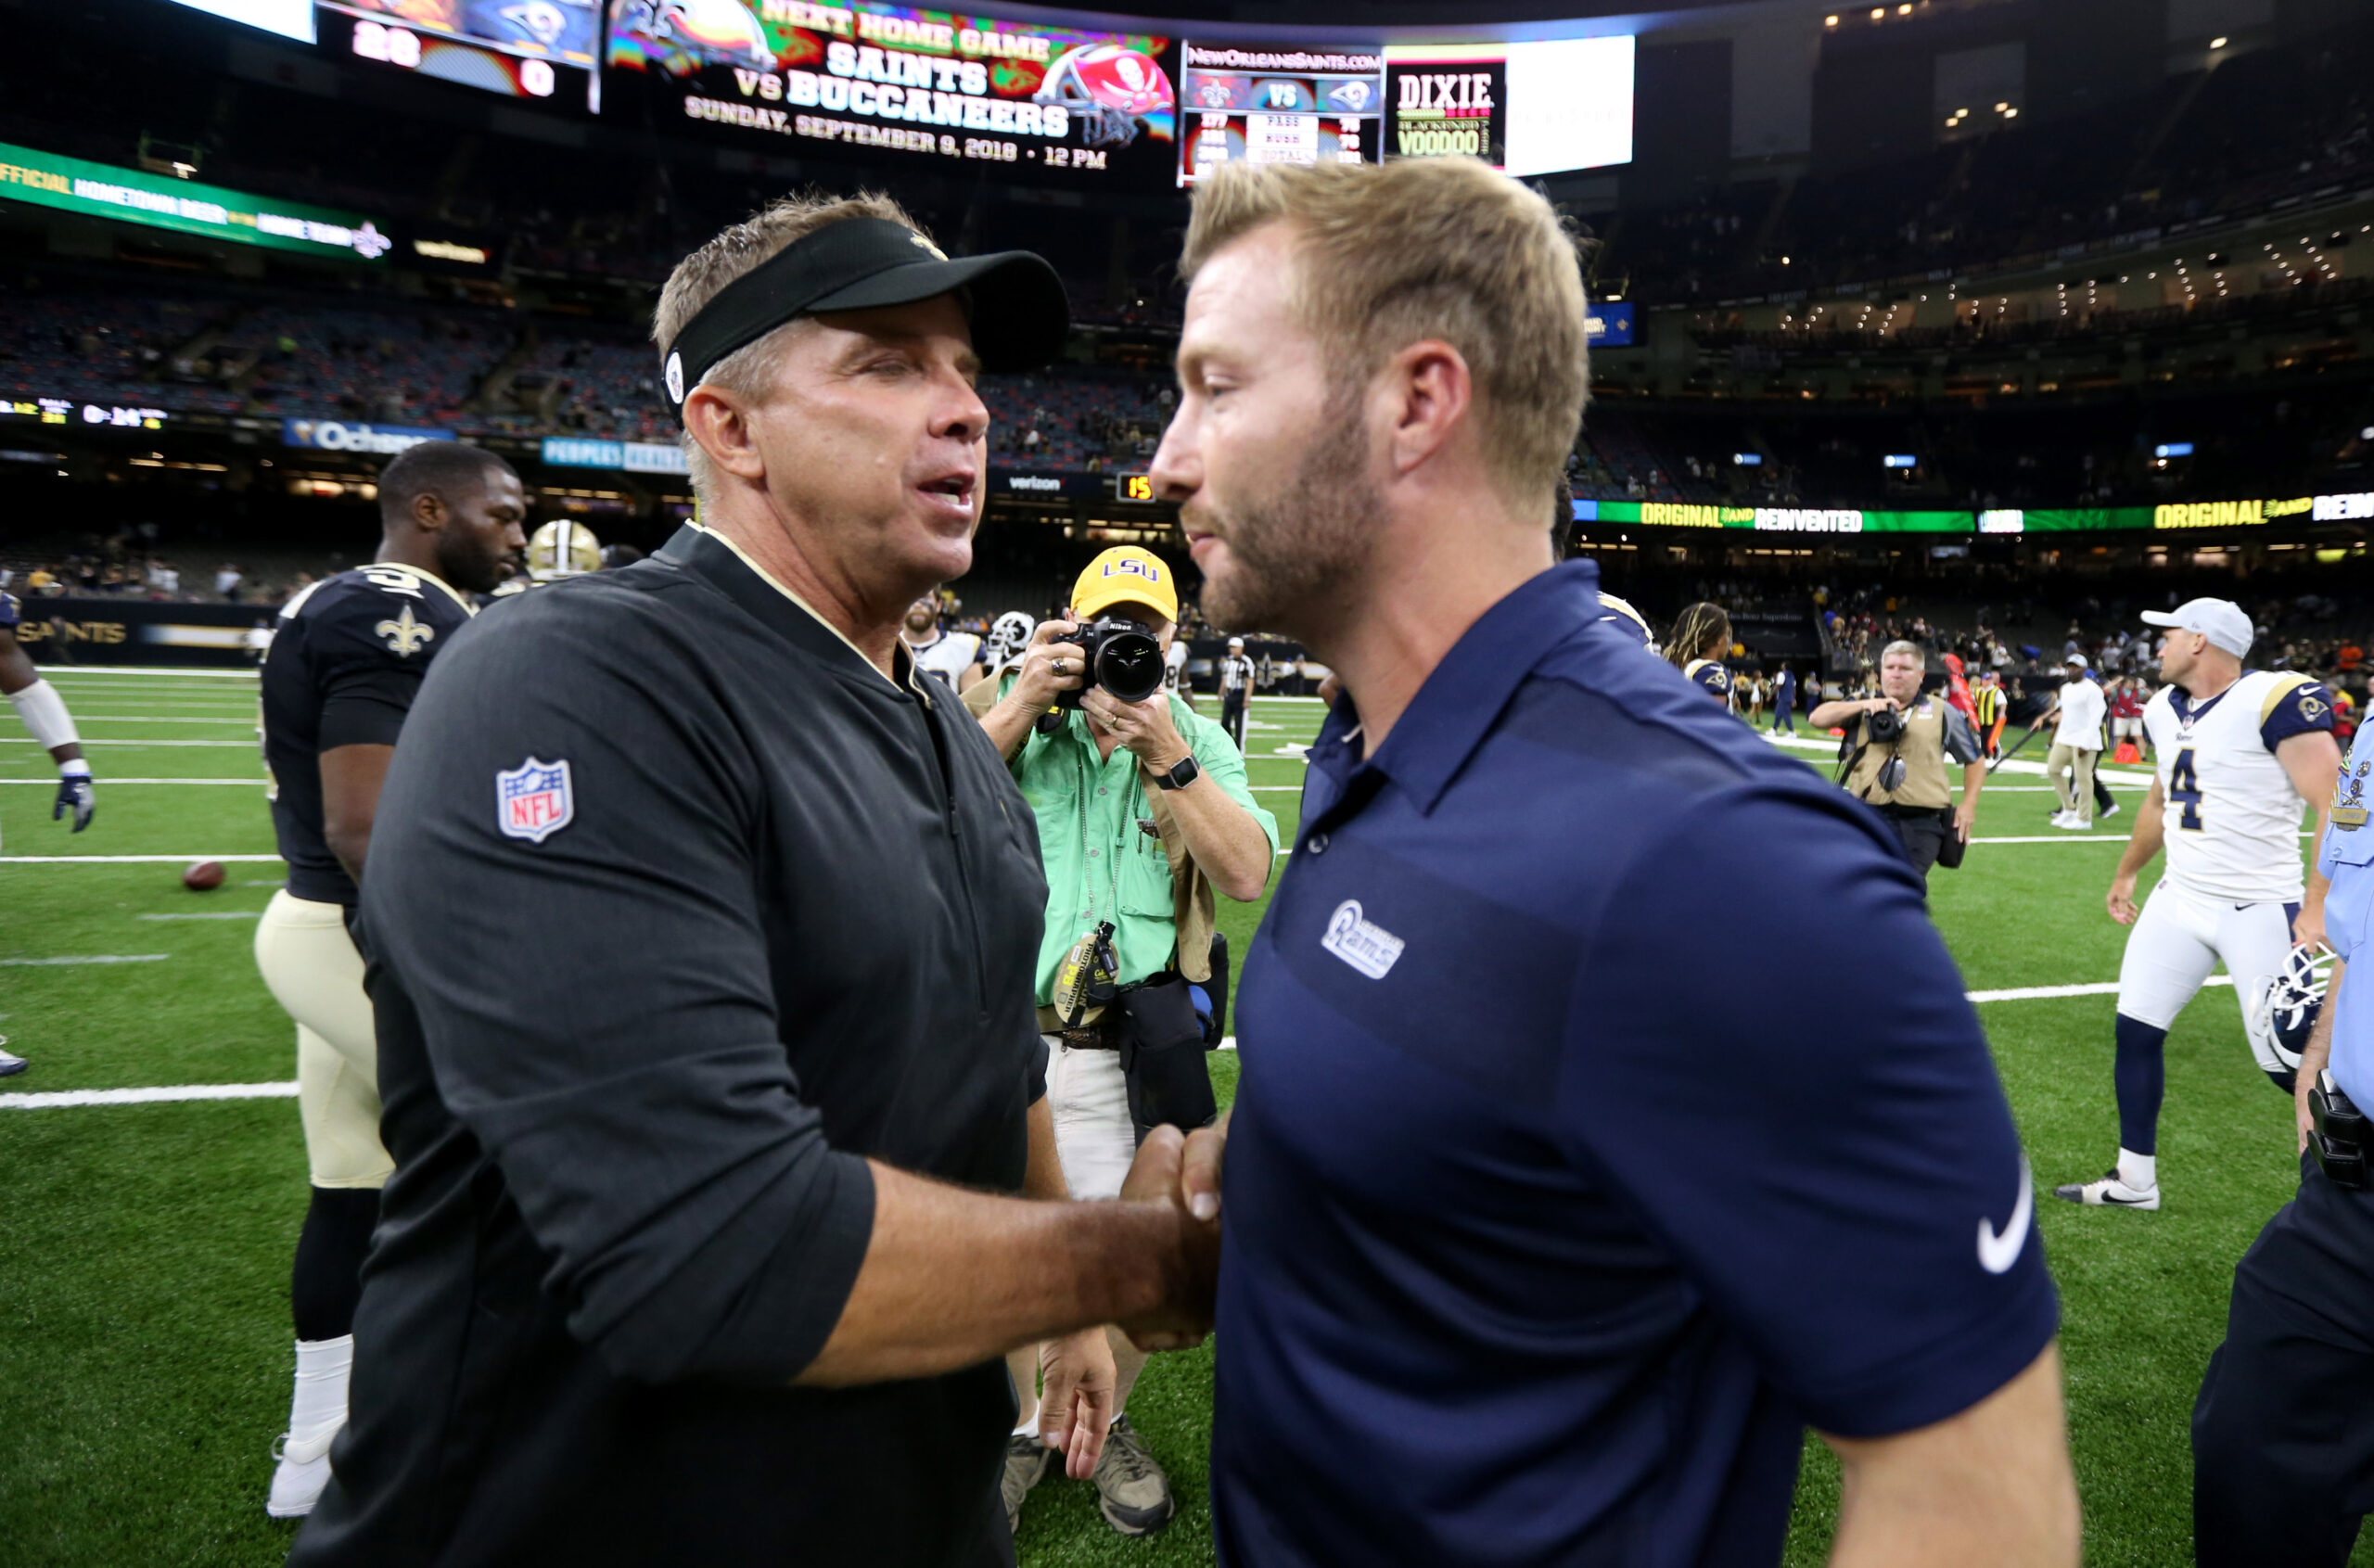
<point>1884,727</point>
<point>1123,657</point>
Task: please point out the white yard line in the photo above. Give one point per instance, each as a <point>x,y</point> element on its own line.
<point>2100,988</point>
<point>126,860</point>
<point>96,958</point>
<point>59,1099</point>
<point>246,719</point>
<point>247,745</point>
<point>62,1099</point>
<point>114,783</point>
<point>210,914</point>
<point>116,671</point>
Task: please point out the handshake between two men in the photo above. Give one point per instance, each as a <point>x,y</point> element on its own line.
<point>1176,1178</point>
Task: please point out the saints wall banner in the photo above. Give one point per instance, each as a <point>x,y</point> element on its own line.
<point>73,631</point>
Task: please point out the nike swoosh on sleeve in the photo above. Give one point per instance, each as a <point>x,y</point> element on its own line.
<point>1998,1251</point>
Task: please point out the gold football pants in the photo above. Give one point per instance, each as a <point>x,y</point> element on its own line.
<point>313,972</point>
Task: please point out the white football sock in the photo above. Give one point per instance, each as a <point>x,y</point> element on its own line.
<point>2138,1171</point>
<point>319,1401</point>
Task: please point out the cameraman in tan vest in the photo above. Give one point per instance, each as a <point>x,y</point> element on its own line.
<point>1898,744</point>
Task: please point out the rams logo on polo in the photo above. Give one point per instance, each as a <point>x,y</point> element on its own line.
<point>533,801</point>
<point>1360,942</point>
<point>2311,709</point>
<point>405,634</point>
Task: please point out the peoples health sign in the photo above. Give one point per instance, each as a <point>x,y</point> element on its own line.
<point>632,457</point>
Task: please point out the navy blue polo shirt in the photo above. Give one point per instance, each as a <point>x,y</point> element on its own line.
<point>1544,1237</point>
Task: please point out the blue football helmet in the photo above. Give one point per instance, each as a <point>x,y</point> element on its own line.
<point>2284,1012</point>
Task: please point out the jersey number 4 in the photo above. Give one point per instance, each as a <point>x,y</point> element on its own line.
<point>2184,788</point>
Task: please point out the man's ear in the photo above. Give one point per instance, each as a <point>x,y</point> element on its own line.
<point>1429,390</point>
<point>429,513</point>
<point>721,425</point>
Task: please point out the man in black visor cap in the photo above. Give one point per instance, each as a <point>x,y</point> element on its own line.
<point>701,933</point>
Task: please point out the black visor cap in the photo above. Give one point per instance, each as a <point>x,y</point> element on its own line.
<point>1020,315</point>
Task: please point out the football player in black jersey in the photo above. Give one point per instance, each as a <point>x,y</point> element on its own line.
<point>346,660</point>
<point>43,711</point>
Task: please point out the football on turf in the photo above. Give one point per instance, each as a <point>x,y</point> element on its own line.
<point>203,877</point>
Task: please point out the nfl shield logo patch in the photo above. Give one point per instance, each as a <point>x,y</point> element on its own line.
<point>533,801</point>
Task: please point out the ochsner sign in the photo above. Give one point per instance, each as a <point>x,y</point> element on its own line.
<point>331,435</point>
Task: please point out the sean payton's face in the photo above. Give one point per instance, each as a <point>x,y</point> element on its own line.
<point>876,448</point>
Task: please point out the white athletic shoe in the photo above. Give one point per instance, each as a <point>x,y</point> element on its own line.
<point>2075,824</point>
<point>2060,819</point>
<point>2110,1193</point>
<point>304,1470</point>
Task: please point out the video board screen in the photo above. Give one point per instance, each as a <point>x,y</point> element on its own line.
<point>1277,104</point>
<point>541,51</point>
<point>1544,107</point>
<point>928,84</point>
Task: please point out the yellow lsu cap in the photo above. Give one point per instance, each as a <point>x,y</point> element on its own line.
<point>1126,574</point>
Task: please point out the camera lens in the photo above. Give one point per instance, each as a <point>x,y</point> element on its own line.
<point>1129,664</point>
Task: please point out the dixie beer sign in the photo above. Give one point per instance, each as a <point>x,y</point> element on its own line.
<point>1448,102</point>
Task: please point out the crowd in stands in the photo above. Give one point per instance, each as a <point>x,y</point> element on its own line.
<point>2199,146</point>
<point>475,373</point>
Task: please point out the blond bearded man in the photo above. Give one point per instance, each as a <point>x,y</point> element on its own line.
<point>1537,1248</point>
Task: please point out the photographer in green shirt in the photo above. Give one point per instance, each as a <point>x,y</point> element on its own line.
<point>1142,813</point>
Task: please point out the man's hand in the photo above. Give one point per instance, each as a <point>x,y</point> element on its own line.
<point>1144,727</point>
<point>1159,1175</point>
<point>75,794</point>
<point>1051,666</point>
<point>1076,1404</point>
<point>2308,927</point>
<point>1965,817</point>
<point>1880,703</point>
<point>1199,1168</point>
<point>2121,900</point>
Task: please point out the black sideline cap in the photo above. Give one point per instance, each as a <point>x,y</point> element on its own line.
<point>1018,311</point>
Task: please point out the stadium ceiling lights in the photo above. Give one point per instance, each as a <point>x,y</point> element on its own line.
<point>2217,42</point>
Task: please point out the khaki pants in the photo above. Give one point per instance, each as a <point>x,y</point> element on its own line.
<point>2060,763</point>
<point>311,966</point>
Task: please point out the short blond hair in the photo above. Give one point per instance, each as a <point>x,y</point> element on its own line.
<point>1421,248</point>
<point>1905,645</point>
<point>699,277</point>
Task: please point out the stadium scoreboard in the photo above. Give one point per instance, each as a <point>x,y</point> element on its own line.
<point>1279,104</point>
<point>543,51</point>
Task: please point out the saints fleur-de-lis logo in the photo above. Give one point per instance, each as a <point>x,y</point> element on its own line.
<point>405,634</point>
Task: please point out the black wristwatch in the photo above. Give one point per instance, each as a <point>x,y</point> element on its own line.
<point>1179,774</point>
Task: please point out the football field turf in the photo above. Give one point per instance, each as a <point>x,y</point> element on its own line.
<point>145,1245</point>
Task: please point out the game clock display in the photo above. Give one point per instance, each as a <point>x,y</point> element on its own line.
<point>1268,104</point>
